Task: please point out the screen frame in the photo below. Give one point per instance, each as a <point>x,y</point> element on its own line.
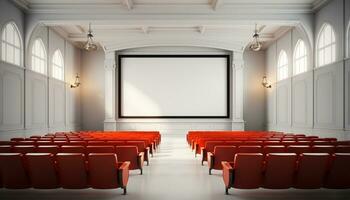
<point>119,88</point>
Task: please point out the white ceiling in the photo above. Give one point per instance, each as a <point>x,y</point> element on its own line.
<point>118,22</point>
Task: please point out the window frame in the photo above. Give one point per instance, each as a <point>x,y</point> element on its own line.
<point>332,45</point>
<point>53,65</point>
<point>282,66</point>
<point>302,57</point>
<point>4,44</point>
<point>33,55</point>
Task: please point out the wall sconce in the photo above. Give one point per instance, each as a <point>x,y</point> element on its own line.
<point>265,83</point>
<point>76,82</point>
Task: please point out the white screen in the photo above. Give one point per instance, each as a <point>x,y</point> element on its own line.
<point>173,86</point>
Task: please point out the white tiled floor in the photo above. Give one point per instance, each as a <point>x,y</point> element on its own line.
<point>174,174</point>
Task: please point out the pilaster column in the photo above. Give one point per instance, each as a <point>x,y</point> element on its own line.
<point>237,91</point>
<point>110,71</point>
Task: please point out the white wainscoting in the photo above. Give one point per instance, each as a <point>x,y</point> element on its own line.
<point>284,103</point>
<point>12,97</point>
<point>302,100</point>
<point>347,94</point>
<point>36,100</point>
<point>328,103</point>
<point>57,104</point>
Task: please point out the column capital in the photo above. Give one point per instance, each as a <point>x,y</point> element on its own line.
<point>110,63</point>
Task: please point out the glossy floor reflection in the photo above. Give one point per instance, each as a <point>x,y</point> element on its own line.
<point>174,174</point>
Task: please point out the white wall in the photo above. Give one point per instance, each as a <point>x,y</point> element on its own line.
<point>254,94</point>
<point>33,103</point>
<point>314,102</point>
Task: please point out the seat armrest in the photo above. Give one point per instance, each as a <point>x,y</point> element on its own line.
<point>210,159</point>
<point>123,173</point>
<point>227,173</point>
<point>141,158</point>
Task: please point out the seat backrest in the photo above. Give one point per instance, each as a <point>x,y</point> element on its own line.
<point>250,149</point>
<point>72,149</point>
<point>139,144</point>
<point>342,149</point>
<point>5,149</point>
<point>128,153</point>
<point>12,171</point>
<point>279,172</point>
<point>298,149</point>
<point>96,143</point>
<point>103,170</point>
<point>23,149</point>
<point>312,168</point>
<point>210,145</point>
<point>223,153</point>
<point>100,149</point>
<point>72,170</point>
<point>274,149</point>
<point>53,149</point>
<point>42,172</point>
<point>339,173</point>
<point>323,149</point>
<point>248,170</point>
<point>115,143</point>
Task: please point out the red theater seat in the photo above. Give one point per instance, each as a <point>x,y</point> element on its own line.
<point>339,173</point>
<point>24,149</point>
<point>72,170</point>
<point>106,173</point>
<point>5,149</point>
<point>342,149</point>
<point>249,149</point>
<point>323,149</point>
<point>274,149</point>
<point>220,154</point>
<point>298,149</point>
<point>12,171</point>
<point>209,147</point>
<point>312,168</point>
<point>245,172</point>
<point>42,170</point>
<point>72,149</point>
<point>279,170</point>
<point>130,153</point>
<point>100,149</point>
<point>141,147</point>
<point>53,149</point>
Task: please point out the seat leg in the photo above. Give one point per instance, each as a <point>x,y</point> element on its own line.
<point>226,190</point>
<point>210,171</point>
<point>124,190</point>
<point>141,171</point>
<point>147,163</point>
<point>202,162</point>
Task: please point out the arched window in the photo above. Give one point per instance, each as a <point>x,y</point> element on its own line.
<point>282,67</point>
<point>326,46</point>
<point>39,57</point>
<point>300,58</point>
<point>11,44</point>
<point>57,65</point>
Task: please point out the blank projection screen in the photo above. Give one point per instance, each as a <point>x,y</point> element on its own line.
<point>175,86</point>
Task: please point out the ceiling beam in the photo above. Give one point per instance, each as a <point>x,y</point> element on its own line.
<point>129,4</point>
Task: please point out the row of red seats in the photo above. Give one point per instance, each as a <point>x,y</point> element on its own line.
<point>285,170</point>
<point>210,145</point>
<point>66,170</point>
<point>304,140</point>
<point>139,144</point>
<point>227,153</point>
<point>124,153</point>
